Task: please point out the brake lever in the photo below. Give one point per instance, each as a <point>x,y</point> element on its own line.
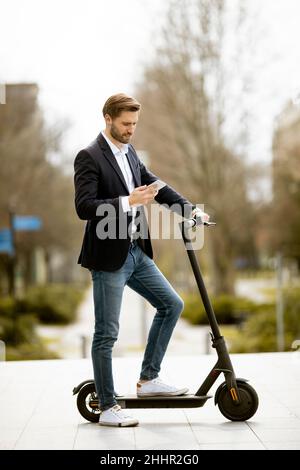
<point>210,224</point>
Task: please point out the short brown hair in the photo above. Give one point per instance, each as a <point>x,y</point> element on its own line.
<point>118,103</point>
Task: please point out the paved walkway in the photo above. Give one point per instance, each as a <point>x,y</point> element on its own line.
<point>38,411</point>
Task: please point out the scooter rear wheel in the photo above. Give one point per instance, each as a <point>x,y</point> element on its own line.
<point>87,403</point>
<point>245,409</point>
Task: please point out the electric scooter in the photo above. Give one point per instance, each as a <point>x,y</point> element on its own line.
<point>236,399</point>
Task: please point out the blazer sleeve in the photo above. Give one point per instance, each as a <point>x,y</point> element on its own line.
<point>167,195</point>
<point>86,182</point>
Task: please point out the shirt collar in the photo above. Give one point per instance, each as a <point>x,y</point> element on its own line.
<point>115,150</point>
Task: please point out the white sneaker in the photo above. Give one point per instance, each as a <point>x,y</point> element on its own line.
<point>116,416</point>
<point>156,387</point>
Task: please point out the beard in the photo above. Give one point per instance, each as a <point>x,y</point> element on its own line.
<point>123,138</point>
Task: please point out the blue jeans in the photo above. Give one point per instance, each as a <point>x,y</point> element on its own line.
<point>141,274</point>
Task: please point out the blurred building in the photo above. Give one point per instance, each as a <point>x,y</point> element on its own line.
<point>23,98</point>
<point>286,142</point>
<point>286,182</point>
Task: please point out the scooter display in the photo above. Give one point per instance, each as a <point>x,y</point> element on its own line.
<point>236,399</point>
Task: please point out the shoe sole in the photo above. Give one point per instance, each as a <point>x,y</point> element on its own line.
<point>164,394</point>
<point>119,425</point>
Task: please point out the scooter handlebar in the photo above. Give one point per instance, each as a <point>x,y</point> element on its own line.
<point>197,221</point>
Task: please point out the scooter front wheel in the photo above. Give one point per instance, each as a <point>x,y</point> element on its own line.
<point>245,409</point>
<point>88,404</point>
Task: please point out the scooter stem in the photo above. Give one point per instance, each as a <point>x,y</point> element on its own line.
<point>199,279</point>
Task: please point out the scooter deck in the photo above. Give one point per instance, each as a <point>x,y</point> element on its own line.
<point>183,401</point>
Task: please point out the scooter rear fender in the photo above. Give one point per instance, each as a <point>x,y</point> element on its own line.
<point>79,387</point>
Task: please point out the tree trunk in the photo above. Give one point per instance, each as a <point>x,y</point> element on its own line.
<point>222,268</point>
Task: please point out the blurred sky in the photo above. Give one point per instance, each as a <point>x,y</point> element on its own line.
<point>82,51</point>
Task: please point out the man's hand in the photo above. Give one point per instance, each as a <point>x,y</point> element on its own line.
<point>142,195</point>
<point>199,213</point>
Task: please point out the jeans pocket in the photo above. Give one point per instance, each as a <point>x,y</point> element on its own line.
<point>95,274</point>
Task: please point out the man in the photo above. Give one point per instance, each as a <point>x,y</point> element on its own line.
<point>111,179</point>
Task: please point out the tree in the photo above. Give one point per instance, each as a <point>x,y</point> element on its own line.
<point>183,125</point>
<point>29,183</point>
<point>284,209</point>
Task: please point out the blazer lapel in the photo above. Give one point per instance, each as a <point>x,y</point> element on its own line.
<point>134,170</point>
<point>111,159</point>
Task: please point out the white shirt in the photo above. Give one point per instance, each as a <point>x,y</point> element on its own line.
<point>120,155</point>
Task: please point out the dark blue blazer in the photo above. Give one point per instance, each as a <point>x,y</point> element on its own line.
<point>98,180</point>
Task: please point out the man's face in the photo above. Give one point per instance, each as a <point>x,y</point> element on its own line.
<point>122,128</point>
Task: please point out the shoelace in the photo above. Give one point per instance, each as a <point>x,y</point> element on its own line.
<point>166,386</point>
<point>158,380</point>
<point>118,409</point>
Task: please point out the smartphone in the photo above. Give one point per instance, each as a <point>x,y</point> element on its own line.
<point>158,183</point>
